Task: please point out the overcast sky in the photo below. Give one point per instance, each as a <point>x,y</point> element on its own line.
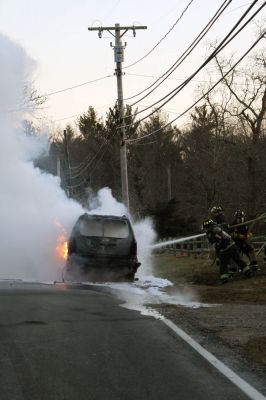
<point>54,33</point>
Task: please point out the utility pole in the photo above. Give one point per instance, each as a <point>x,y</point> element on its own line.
<point>119,31</point>
<point>169,182</point>
<point>58,167</point>
<point>67,163</point>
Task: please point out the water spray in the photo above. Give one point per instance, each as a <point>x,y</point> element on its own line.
<point>180,240</point>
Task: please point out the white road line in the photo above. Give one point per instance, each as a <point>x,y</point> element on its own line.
<point>250,391</point>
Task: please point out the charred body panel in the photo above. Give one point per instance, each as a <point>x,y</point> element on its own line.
<point>102,247</point>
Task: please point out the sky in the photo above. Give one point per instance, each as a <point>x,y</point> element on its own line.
<point>55,35</point>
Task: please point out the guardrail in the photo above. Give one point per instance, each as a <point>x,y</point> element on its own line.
<point>200,246</point>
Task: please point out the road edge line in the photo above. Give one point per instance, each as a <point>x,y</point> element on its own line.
<point>245,387</point>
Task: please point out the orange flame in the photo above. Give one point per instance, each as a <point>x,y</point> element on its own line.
<point>61,248</point>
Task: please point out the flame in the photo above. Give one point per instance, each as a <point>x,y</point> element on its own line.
<point>61,248</point>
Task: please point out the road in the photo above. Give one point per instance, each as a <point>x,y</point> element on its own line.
<point>60,342</point>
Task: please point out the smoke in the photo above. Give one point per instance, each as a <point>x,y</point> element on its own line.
<point>30,200</point>
<point>34,209</point>
<point>16,68</point>
<point>147,289</point>
<point>103,203</point>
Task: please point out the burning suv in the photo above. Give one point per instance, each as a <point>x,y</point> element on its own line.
<point>102,247</point>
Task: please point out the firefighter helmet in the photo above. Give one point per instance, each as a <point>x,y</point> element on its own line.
<point>240,216</point>
<point>216,210</point>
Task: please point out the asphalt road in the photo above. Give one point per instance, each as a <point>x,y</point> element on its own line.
<point>59,342</point>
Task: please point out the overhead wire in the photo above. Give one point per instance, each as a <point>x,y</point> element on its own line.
<point>111,10</point>
<point>221,46</point>
<point>76,86</point>
<point>190,79</point>
<point>131,141</point>
<point>155,76</point>
<point>186,53</point>
<point>173,79</point>
<point>90,162</point>
<point>160,41</point>
<point>78,167</point>
<point>83,84</point>
<point>81,172</point>
<point>82,112</point>
<point>84,170</point>
<point>227,39</point>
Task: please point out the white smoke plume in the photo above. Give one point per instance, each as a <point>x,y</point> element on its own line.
<point>103,203</point>
<point>34,210</point>
<point>30,201</point>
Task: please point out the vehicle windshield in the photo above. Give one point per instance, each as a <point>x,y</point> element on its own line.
<point>104,228</point>
<point>115,229</point>
<point>91,227</point>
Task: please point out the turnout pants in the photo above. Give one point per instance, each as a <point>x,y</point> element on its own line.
<point>230,253</point>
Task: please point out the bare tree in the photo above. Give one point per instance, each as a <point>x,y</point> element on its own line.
<point>239,104</point>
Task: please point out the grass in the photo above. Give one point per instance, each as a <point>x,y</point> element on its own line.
<point>195,269</point>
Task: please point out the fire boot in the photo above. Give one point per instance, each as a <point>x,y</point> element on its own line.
<point>254,265</point>
<point>232,269</point>
<point>247,271</point>
<point>224,278</point>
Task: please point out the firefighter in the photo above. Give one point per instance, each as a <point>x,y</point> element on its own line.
<point>242,236</point>
<point>226,249</point>
<point>217,215</point>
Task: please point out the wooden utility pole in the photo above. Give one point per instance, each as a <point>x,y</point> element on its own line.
<point>68,164</point>
<point>58,167</point>
<point>169,182</point>
<point>119,31</point>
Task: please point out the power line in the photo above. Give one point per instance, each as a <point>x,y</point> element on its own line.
<point>86,167</point>
<point>174,79</point>
<point>76,86</point>
<point>186,53</point>
<point>160,41</point>
<point>204,95</point>
<point>155,76</point>
<point>220,47</point>
<point>93,158</point>
<point>216,51</point>
<point>82,112</point>
<point>86,83</point>
<point>62,119</point>
<point>237,8</point>
<point>82,168</point>
<point>111,10</point>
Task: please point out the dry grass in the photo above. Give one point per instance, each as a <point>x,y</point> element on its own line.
<point>199,270</point>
